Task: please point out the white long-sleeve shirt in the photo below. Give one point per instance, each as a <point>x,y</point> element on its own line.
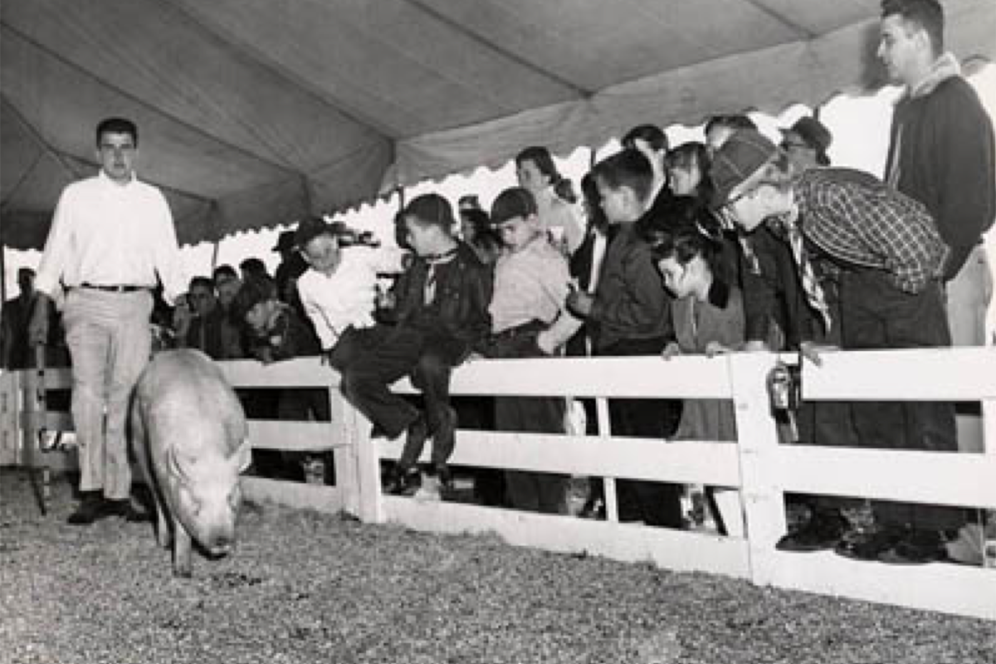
<point>109,234</point>
<point>347,297</point>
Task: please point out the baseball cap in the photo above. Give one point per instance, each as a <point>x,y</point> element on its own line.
<point>511,203</point>
<point>431,209</point>
<point>743,153</point>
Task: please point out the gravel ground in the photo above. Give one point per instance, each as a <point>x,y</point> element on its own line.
<point>306,587</point>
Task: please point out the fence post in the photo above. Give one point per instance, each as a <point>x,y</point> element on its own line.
<point>757,437</point>
<point>343,453</point>
<point>367,486</point>
<point>9,426</point>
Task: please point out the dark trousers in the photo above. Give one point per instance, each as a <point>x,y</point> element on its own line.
<point>538,492</point>
<point>654,503</point>
<point>371,360</point>
<point>877,315</point>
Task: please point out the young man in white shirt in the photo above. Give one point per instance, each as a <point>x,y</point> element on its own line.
<point>112,238</point>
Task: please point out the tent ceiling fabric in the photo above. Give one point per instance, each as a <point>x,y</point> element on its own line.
<point>253,112</point>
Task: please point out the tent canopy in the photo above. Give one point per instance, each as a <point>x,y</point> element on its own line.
<point>253,112</point>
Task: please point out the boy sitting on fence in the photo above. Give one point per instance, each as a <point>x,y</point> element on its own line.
<point>441,315</point>
<point>528,319</point>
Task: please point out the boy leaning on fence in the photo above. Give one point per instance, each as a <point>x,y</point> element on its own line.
<point>891,259</point>
<point>529,319</point>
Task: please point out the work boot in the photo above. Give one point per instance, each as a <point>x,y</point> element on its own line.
<point>822,531</point>
<point>404,482</point>
<point>89,510</point>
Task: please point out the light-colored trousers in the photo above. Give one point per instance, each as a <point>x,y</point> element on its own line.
<point>968,298</point>
<point>109,340</point>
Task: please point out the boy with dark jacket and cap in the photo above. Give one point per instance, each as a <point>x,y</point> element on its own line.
<point>442,313</point>
<point>891,260</point>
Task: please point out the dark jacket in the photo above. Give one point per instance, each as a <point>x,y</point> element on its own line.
<point>630,302</point>
<point>945,160</point>
<point>460,306</point>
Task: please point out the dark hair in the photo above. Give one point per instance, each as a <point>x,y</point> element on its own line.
<point>25,271</point>
<point>513,202</point>
<point>593,202</point>
<point>431,210</point>
<point>226,271</point>
<point>683,229</point>
<point>253,267</point>
<point>925,14</point>
<point>117,126</point>
<point>484,233</point>
<point>254,290</point>
<point>735,121</point>
<point>652,134</point>
<point>540,156</point>
<point>203,282</point>
<point>628,168</point>
<point>693,153</point>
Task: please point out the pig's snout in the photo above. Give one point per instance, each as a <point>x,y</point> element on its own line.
<point>220,546</point>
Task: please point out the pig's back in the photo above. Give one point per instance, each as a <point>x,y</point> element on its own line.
<point>184,398</point>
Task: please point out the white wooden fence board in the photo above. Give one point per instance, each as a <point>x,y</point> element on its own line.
<point>318,497</point>
<point>715,464</point>
<point>673,549</point>
<point>923,374</point>
<point>952,478</point>
<point>298,372</point>
<point>945,587</point>
<point>292,435</point>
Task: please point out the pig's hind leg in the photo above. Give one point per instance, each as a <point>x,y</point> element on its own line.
<point>181,550</point>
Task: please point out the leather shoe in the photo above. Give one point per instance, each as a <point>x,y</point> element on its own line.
<point>404,482</point>
<point>822,531</point>
<point>125,510</point>
<point>89,510</point>
<point>868,545</point>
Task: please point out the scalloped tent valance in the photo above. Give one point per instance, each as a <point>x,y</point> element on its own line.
<point>252,112</point>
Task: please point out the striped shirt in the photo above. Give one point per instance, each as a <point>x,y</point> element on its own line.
<point>854,217</point>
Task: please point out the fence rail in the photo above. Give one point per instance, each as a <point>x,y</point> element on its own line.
<point>757,465</point>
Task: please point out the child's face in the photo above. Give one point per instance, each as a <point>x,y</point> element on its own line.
<point>683,281</point>
<point>685,179</point>
<point>227,290</point>
<point>258,318</point>
<point>422,238</point>
<point>517,232</point>
<point>619,204</point>
<point>322,252</point>
<point>530,177</point>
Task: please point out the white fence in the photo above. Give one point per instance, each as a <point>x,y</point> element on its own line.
<point>762,469</point>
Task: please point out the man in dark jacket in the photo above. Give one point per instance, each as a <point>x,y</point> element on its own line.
<point>941,153</point>
<point>442,313</point>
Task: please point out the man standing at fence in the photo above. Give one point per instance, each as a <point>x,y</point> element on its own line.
<point>941,153</point>
<point>110,237</point>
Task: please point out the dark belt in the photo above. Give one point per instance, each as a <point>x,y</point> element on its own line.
<point>114,289</point>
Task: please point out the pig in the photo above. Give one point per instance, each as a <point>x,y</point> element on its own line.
<point>189,439</point>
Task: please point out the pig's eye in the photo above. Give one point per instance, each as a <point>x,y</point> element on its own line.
<point>193,505</point>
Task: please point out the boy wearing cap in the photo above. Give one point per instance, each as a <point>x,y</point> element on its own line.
<point>528,319</point>
<point>441,315</point>
<point>891,259</point>
<point>339,290</point>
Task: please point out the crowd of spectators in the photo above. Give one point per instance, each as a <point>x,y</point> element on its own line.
<point>728,245</point>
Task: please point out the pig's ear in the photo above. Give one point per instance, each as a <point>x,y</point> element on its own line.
<point>242,458</point>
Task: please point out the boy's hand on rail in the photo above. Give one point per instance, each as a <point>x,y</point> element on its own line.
<point>811,351</point>
<point>755,345</point>
<point>671,350</point>
<point>473,357</point>
<point>714,348</point>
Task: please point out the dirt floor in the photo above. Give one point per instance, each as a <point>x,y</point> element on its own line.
<point>305,587</point>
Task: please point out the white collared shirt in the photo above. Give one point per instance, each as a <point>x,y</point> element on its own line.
<point>109,234</point>
<point>347,297</point>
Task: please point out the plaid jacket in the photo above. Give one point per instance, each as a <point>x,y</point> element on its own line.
<point>855,218</point>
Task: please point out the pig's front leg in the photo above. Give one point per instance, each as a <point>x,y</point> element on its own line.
<point>181,550</point>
